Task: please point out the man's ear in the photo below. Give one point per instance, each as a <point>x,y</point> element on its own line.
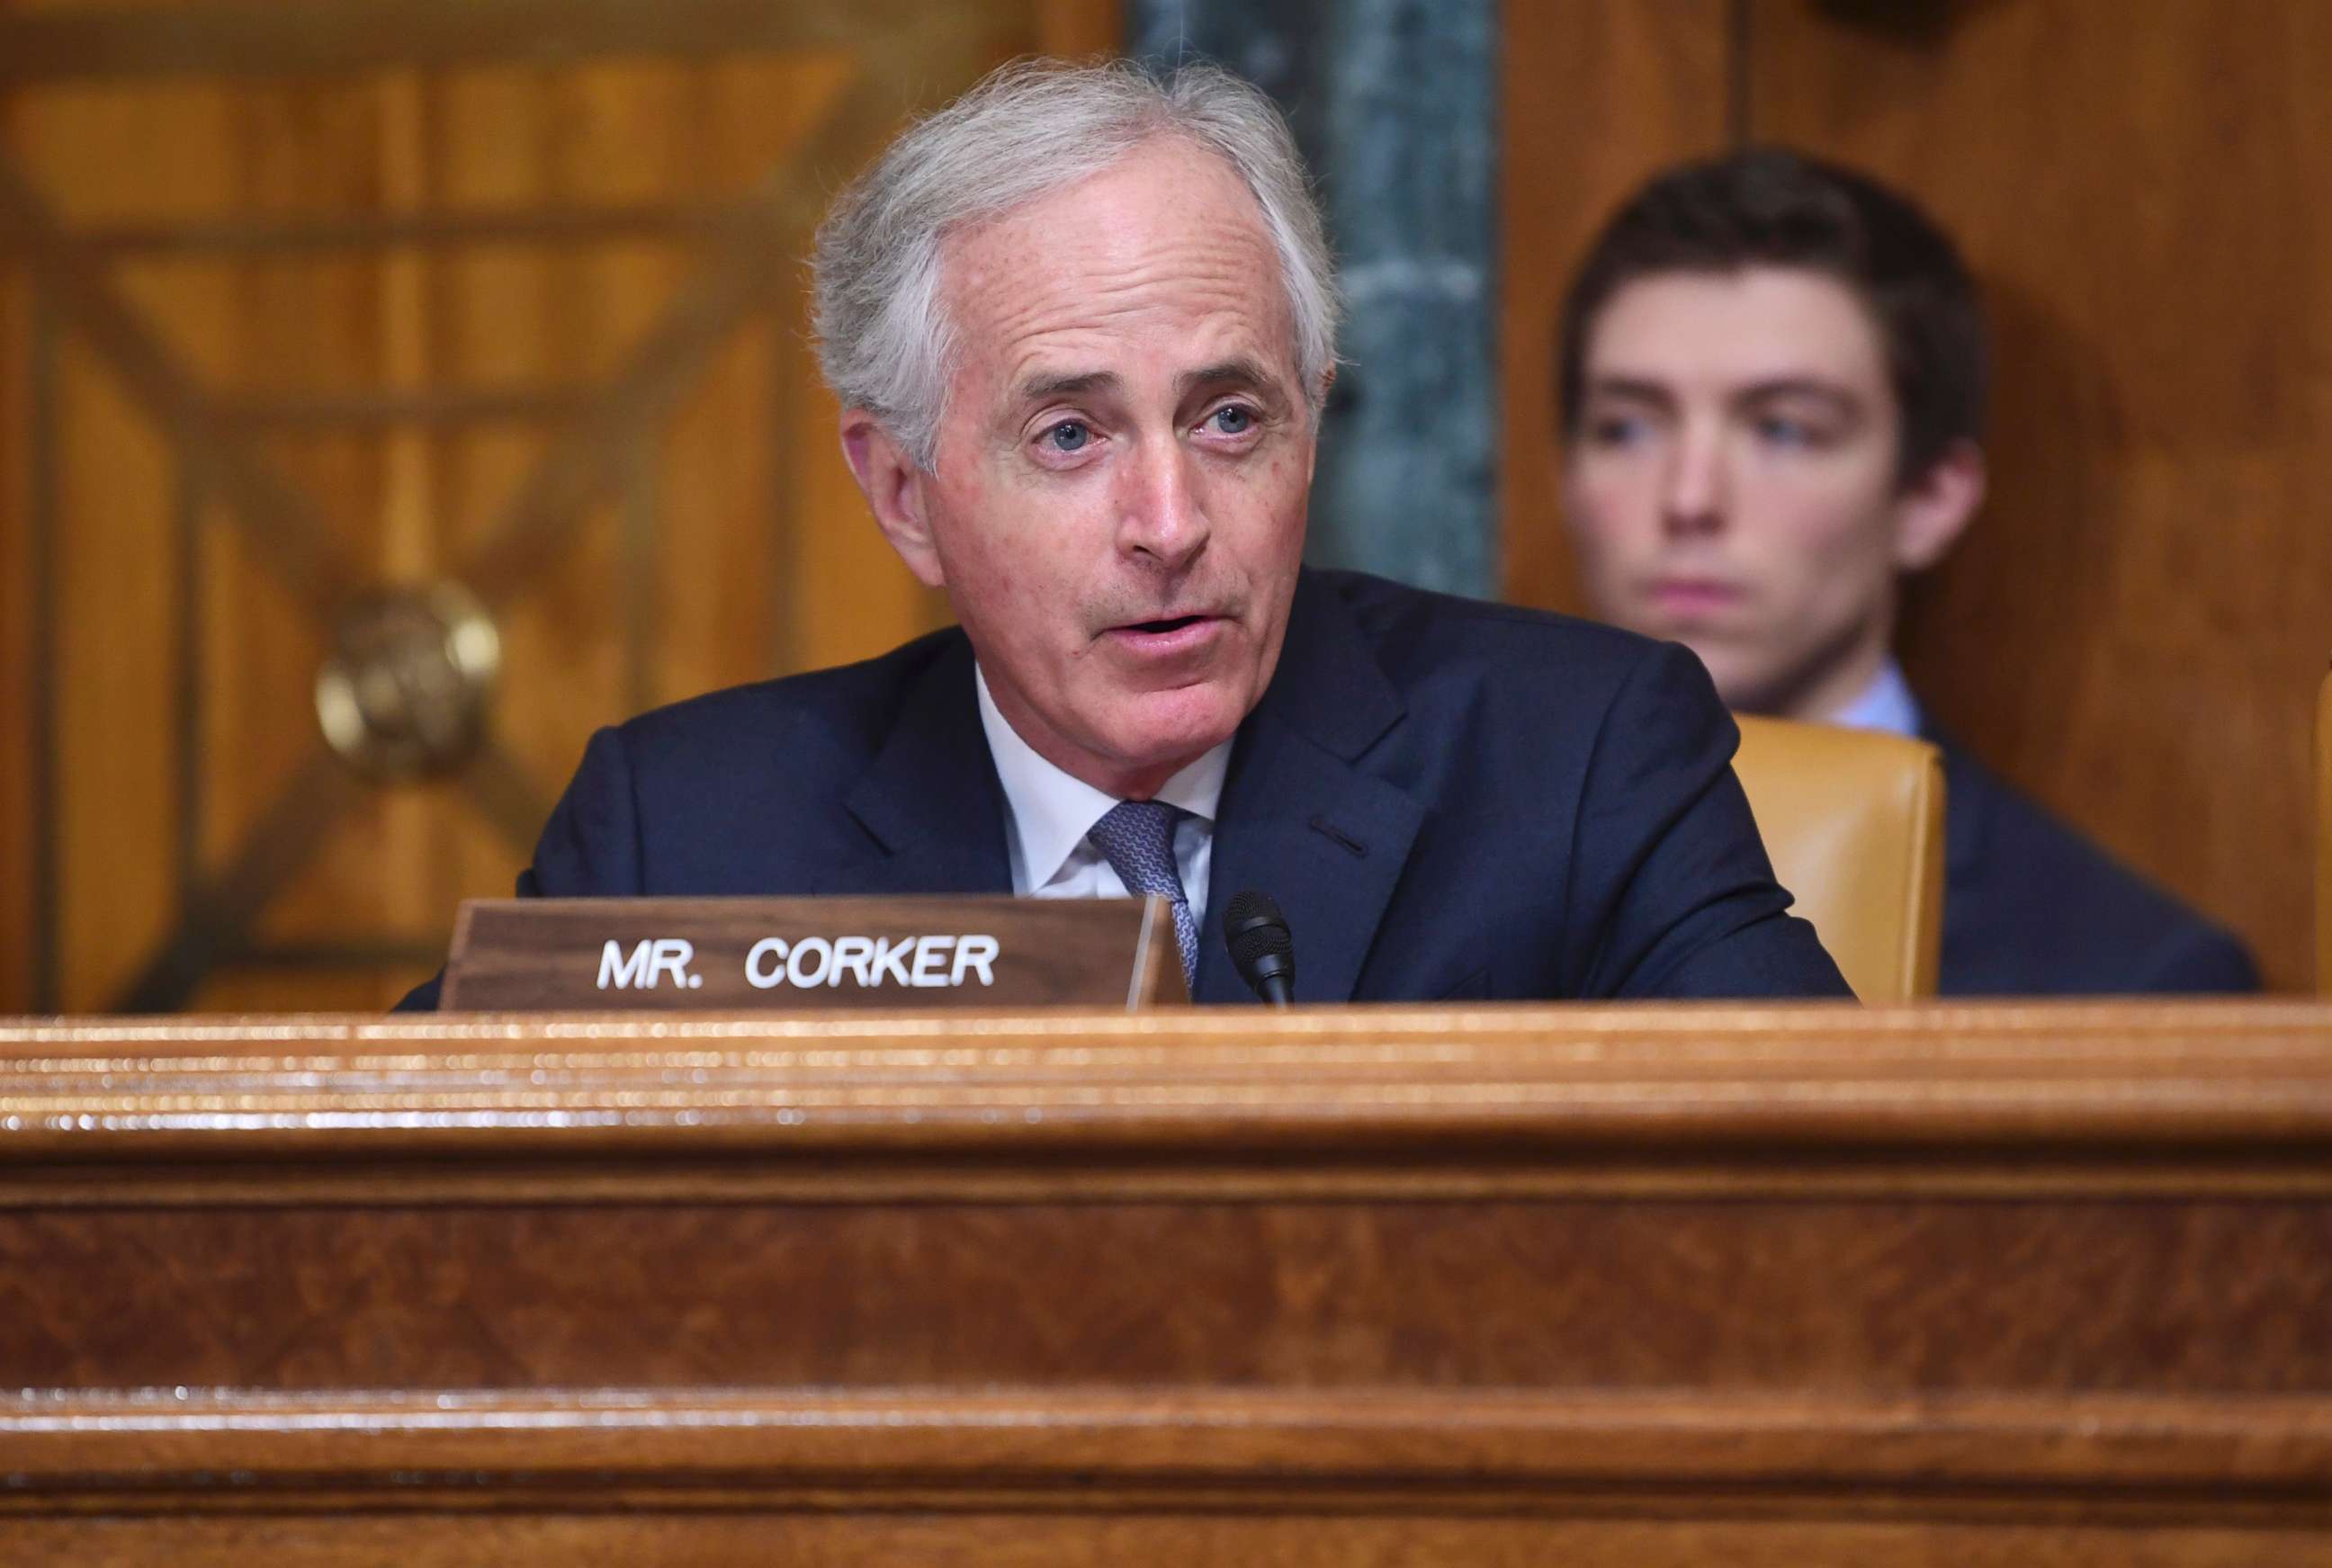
<point>1935,509</point>
<point>894,487</point>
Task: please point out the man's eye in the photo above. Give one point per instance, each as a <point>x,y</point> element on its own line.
<point>1777,431</point>
<point>1069,435</point>
<point>1231,419</point>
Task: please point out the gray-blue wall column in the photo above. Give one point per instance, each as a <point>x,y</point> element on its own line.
<point>1394,104</point>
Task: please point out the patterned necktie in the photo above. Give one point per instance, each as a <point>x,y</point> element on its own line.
<point>1137,838</point>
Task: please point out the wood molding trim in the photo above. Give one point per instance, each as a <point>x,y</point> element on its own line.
<point>2060,1074</point>
<point>1108,1449</point>
<point>1417,1103</point>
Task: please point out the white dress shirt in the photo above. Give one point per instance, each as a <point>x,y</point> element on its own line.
<point>1049,814</point>
<point>1886,703</point>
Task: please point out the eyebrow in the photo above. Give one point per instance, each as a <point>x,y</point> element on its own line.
<point>1631,387</point>
<point>1755,392</point>
<point>1041,388</point>
<point>1798,386</point>
<point>1241,371</point>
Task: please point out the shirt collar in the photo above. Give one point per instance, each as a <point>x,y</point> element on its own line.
<point>1052,811</point>
<point>1886,703</point>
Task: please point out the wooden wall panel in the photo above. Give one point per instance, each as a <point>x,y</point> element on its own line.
<point>311,257</point>
<point>2134,628</point>
<point>116,612</point>
<point>20,932</point>
<point>1596,94</point>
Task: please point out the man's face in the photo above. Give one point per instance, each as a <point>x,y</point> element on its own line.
<point>1117,505</point>
<point>1730,484</point>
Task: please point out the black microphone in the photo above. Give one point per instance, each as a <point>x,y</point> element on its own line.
<point>1262,948</point>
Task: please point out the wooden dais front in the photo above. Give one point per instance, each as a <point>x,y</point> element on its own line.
<point>2033,1285</point>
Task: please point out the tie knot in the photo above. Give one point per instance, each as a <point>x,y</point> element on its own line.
<point>1137,838</point>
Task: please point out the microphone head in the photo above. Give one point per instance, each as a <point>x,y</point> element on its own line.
<point>1258,935</point>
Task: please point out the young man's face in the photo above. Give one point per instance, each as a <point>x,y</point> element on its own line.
<point>1731,482</point>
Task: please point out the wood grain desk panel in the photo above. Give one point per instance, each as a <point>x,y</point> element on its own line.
<point>2034,1283</point>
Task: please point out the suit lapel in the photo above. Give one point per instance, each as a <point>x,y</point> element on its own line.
<point>1298,820</point>
<point>930,806</point>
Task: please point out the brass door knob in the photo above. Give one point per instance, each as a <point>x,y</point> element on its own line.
<point>405,690</point>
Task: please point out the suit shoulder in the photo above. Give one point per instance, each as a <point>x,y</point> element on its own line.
<point>849,707</point>
<point>2067,904</point>
<point>806,734</point>
<point>2025,841</point>
<point>1517,691</point>
<point>1415,630</point>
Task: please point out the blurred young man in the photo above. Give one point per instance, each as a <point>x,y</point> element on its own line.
<point>1773,376</point>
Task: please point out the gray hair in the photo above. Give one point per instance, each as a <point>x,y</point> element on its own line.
<point>1028,130</point>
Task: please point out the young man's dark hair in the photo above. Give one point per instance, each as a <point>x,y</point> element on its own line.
<point>1770,206</point>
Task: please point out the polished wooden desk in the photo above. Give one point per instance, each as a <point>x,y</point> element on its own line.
<point>1943,1285</point>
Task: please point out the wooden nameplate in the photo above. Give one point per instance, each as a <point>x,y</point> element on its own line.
<point>731,954</point>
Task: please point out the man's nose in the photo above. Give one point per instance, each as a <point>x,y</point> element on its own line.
<point>1693,490</point>
<point>1159,514</point>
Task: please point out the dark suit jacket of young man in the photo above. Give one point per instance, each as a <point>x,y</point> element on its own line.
<point>1448,799</point>
<point>2031,908</point>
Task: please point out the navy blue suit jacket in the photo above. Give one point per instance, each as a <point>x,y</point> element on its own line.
<point>2031,908</point>
<point>1449,799</point>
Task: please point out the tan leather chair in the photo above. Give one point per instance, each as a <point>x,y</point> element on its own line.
<point>1854,822</point>
<point>2324,838</point>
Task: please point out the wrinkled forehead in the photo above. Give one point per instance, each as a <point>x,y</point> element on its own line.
<point>1166,244</point>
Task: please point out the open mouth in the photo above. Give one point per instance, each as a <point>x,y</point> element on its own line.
<point>1157,628</point>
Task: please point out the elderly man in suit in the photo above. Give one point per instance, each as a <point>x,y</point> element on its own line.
<point>1080,323</point>
<point>1773,376</point>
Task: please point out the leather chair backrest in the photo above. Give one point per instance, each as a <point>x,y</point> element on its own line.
<point>1854,822</point>
<point>2324,838</point>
